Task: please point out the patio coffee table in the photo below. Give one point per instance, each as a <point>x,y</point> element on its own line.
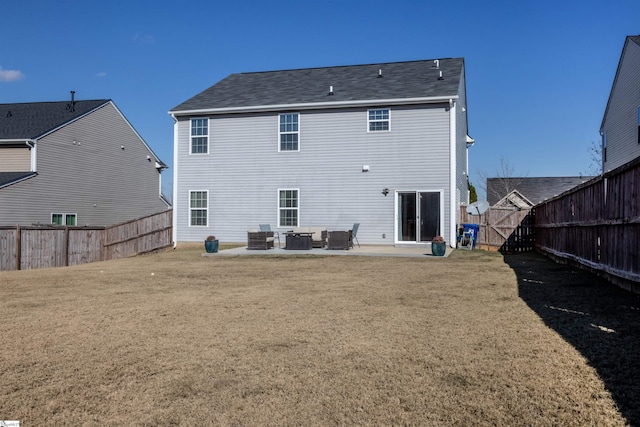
<point>298,241</point>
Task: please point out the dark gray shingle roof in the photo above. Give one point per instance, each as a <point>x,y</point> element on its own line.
<point>33,119</point>
<point>536,190</point>
<point>7,178</point>
<point>400,80</point>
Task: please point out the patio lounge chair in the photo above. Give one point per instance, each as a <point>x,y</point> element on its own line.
<point>354,231</point>
<point>267,227</point>
<point>260,239</point>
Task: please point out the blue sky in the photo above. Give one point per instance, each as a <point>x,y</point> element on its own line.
<point>538,72</point>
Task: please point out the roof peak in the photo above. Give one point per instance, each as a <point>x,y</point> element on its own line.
<point>372,64</point>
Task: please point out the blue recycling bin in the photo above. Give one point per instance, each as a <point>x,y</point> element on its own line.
<point>471,227</point>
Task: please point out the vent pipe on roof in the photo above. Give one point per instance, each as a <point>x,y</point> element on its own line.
<point>440,77</point>
<point>437,62</point>
<point>72,106</point>
<point>380,73</point>
<point>330,91</point>
<point>9,113</point>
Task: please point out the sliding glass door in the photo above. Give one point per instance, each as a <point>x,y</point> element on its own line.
<point>419,215</point>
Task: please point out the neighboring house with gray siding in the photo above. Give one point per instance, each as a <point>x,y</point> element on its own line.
<point>75,163</point>
<point>620,128</point>
<point>383,145</point>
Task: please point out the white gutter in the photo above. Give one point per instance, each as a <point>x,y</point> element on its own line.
<point>174,202</point>
<point>452,172</point>
<point>314,105</point>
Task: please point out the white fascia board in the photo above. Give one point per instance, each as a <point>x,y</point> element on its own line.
<point>314,105</point>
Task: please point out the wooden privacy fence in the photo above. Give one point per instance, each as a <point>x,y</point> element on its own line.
<point>502,229</point>
<point>30,247</point>
<point>596,226</point>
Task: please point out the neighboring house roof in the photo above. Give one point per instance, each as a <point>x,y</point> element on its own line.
<point>629,39</point>
<point>8,178</point>
<point>533,190</point>
<point>515,199</point>
<point>408,82</point>
<point>32,120</point>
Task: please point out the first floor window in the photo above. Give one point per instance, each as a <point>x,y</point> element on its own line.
<point>288,208</point>
<point>378,120</point>
<point>64,219</point>
<point>199,136</point>
<point>289,132</point>
<point>198,208</point>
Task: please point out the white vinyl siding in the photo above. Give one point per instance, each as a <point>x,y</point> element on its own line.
<point>200,136</point>
<point>621,122</point>
<point>198,208</point>
<point>333,191</point>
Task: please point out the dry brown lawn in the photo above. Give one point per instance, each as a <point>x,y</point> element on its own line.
<point>177,339</point>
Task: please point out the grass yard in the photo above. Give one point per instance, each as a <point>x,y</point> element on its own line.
<point>177,339</point>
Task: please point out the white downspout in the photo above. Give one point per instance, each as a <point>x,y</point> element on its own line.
<point>174,202</point>
<point>32,144</point>
<point>453,175</point>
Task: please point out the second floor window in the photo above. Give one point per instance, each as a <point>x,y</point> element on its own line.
<point>289,132</point>
<point>378,120</point>
<point>199,136</point>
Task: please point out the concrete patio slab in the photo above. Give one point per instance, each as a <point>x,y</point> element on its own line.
<point>416,251</point>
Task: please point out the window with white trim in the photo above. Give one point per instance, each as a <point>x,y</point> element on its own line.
<point>289,132</point>
<point>199,136</point>
<point>64,219</point>
<point>198,208</point>
<point>378,120</point>
<point>288,206</point>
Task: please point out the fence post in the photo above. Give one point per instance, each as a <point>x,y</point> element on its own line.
<point>18,248</point>
<point>65,261</point>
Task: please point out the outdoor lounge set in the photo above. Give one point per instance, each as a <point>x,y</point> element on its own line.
<point>302,238</point>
